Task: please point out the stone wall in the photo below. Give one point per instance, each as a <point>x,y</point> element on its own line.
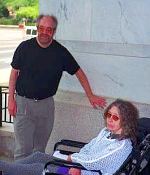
<point>108,21</point>
<point>110,40</point>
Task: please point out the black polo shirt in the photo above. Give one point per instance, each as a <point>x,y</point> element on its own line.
<point>41,68</point>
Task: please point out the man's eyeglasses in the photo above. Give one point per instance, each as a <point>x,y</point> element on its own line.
<point>47,30</point>
<point>114,117</point>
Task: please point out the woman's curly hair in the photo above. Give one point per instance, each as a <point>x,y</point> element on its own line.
<point>129,115</point>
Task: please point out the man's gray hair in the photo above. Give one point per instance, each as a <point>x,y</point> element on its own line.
<point>48,16</point>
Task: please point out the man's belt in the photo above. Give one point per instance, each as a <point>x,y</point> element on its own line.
<point>33,98</point>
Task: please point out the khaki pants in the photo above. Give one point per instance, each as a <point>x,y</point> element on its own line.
<point>32,125</point>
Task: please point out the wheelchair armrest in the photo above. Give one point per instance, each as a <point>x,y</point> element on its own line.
<point>64,163</point>
<point>67,164</point>
<point>69,143</point>
<point>66,152</point>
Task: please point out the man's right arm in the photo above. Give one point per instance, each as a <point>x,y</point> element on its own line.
<point>12,108</point>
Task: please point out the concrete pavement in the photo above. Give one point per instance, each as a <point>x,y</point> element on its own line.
<point>11,33</point>
<point>8,35</point>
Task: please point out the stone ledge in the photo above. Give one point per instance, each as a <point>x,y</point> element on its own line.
<point>7,129</point>
<point>7,141</point>
<point>103,48</point>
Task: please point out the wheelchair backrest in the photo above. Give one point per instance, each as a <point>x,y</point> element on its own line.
<point>143,128</point>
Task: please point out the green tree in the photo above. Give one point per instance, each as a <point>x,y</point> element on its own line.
<point>18,10</point>
<point>16,4</point>
<point>30,13</point>
<point>3,9</point>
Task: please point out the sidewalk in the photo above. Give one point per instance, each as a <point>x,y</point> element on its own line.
<point>9,34</point>
<point>8,26</point>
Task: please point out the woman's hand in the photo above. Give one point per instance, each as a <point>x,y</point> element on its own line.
<point>69,158</point>
<point>74,171</point>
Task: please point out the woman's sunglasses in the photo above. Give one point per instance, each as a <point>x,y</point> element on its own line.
<point>114,117</point>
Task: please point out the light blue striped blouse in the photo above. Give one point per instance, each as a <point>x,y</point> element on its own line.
<point>103,153</point>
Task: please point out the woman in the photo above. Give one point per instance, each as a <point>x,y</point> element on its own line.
<point>111,147</point>
<point>106,152</point>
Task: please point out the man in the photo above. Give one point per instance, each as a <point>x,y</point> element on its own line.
<point>37,68</point>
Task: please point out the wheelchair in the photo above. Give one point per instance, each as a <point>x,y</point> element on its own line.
<point>137,163</point>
